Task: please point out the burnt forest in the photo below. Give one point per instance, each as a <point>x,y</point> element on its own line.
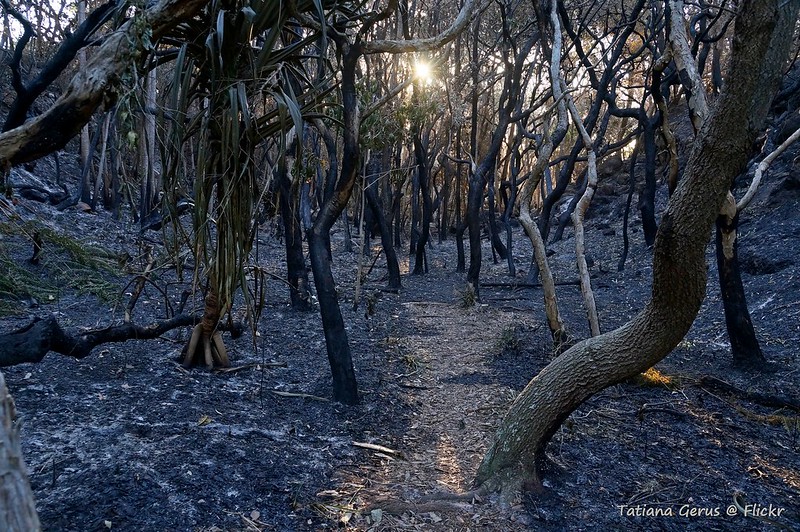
<point>425,265</point>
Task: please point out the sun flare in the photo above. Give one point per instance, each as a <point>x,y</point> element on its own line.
<point>423,72</point>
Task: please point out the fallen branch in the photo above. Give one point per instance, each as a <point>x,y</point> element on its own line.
<point>301,395</point>
<point>32,342</point>
<point>576,282</point>
<point>772,401</point>
<point>379,448</point>
<point>250,366</point>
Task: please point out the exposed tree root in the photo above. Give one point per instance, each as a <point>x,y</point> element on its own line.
<point>211,349</point>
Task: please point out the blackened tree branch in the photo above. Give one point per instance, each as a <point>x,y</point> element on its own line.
<point>32,342</point>
<point>16,59</point>
<point>66,53</point>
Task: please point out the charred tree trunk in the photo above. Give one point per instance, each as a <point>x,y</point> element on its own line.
<point>473,223</point>
<point>647,198</point>
<point>415,212</point>
<point>421,154</point>
<point>512,89</point>
<point>626,216</point>
<point>461,261</point>
<point>744,344</point>
<point>296,270</point>
<point>386,238</point>
<point>494,235</point>
<point>345,388</point>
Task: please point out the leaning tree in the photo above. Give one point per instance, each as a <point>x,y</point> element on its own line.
<point>763,33</point>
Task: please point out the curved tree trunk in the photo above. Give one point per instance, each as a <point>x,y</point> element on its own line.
<point>679,266</point>
<point>17,507</point>
<point>550,141</point>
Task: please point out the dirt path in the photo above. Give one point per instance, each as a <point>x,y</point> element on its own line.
<point>462,366</point>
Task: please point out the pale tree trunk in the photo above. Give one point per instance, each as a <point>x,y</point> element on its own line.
<point>554,321</point>
<point>679,266</point>
<point>17,507</point>
<point>687,70</point>
<point>580,212</point>
<point>583,204</point>
<point>81,65</point>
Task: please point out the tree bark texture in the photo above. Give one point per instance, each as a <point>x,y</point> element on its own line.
<point>720,153</point>
<point>17,507</point>
<point>93,87</point>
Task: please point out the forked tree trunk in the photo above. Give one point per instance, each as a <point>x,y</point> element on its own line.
<point>580,212</point>
<point>423,174</point>
<point>513,87</point>
<point>17,507</point>
<point>392,265</point>
<point>679,267</point>
<point>345,388</point>
<point>550,141</point>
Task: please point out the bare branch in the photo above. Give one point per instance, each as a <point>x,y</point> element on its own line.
<point>467,13</point>
<point>94,86</point>
<point>761,168</point>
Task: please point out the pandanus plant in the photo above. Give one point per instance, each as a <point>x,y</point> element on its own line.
<point>230,99</point>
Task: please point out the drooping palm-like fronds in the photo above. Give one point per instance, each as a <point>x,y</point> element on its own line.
<point>229,100</point>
